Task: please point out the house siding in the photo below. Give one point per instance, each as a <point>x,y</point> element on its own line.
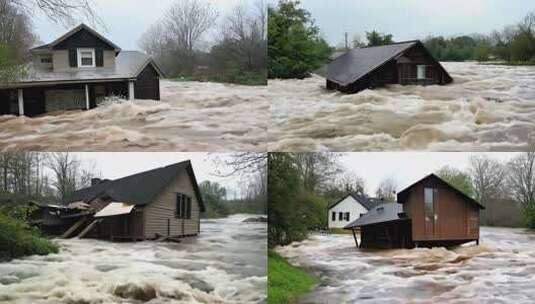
<point>454,215</point>
<point>349,204</point>
<point>163,208</point>
<point>61,61</point>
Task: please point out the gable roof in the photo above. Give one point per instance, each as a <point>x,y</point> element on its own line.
<point>138,189</point>
<point>403,195</point>
<point>380,214</point>
<point>365,201</point>
<point>74,31</point>
<point>359,62</point>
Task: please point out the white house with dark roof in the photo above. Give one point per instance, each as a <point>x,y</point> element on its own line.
<point>78,71</point>
<point>349,208</point>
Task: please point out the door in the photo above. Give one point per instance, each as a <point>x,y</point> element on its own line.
<point>430,212</point>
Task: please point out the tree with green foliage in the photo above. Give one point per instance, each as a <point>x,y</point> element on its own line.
<point>376,39</point>
<point>214,196</point>
<point>295,46</point>
<point>457,178</point>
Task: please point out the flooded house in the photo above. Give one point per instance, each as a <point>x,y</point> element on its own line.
<point>159,203</point>
<point>78,71</point>
<point>405,63</point>
<point>428,213</point>
<point>348,208</point>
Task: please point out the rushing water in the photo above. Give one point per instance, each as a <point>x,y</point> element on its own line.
<point>192,116</point>
<point>225,264</point>
<point>500,270</point>
<point>488,107</point>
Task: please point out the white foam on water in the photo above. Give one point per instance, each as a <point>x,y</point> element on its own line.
<point>191,116</point>
<point>226,264</point>
<point>500,270</point>
<point>488,107</point>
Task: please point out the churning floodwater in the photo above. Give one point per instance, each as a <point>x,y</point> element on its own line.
<point>191,116</point>
<point>488,107</point>
<point>225,264</point>
<point>500,270</point>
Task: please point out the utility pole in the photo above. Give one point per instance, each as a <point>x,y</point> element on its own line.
<point>346,39</point>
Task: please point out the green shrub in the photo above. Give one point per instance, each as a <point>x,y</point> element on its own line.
<point>286,282</point>
<point>17,239</point>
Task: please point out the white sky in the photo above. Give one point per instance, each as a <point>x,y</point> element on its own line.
<point>125,20</point>
<point>406,167</point>
<point>414,19</point>
<point>114,165</point>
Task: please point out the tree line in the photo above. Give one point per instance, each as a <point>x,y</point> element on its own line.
<point>303,185</point>
<point>183,42</point>
<point>514,43</point>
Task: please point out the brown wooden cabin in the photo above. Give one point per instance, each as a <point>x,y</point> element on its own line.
<point>79,70</point>
<point>405,63</point>
<point>163,202</point>
<point>429,213</point>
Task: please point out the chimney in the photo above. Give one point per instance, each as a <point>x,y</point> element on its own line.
<point>95,181</point>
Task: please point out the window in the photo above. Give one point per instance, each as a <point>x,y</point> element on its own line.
<point>86,58</point>
<point>183,206</point>
<point>428,202</point>
<point>340,216</point>
<point>421,72</point>
<point>347,216</point>
<point>333,216</point>
<point>46,59</point>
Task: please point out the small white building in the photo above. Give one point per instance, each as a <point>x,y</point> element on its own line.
<point>349,208</point>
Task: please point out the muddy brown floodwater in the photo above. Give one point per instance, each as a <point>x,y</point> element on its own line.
<point>191,116</point>
<point>500,270</point>
<point>487,108</point>
<point>225,264</point>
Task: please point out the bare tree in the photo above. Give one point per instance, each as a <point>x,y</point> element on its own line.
<point>15,29</point>
<point>69,174</point>
<point>387,189</point>
<point>521,179</point>
<point>65,12</point>
<point>351,183</point>
<point>487,178</point>
<point>188,21</point>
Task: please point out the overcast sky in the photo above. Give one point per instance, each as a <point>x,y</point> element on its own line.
<point>114,165</point>
<point>406,167</point>
<point>414,19</point>
<point>125,20</point>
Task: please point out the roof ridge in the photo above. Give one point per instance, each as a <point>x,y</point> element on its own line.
<point>111,181</point>
<point>393,43</point>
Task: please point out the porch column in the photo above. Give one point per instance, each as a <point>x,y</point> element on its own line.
<point>87,97</point>
<point>21,102</point>
<point>131,90</point>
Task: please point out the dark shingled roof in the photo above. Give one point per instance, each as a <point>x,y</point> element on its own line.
<point>138,189</point>
<point>347,68</point>
<point>402,196</point>
<point>365,201</point>
<point>380,214</point>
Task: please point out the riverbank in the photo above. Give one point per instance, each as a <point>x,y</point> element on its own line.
<point>17,239</point>
<point>286,282</point>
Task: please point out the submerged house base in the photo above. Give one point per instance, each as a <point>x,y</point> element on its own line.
<point>405,63</point>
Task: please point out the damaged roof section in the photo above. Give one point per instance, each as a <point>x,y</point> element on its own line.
<point>383,213</point>
<point>138,189</point>
<point>115,208</point>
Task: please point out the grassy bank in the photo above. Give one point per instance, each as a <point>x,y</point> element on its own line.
<point>17,239</point>
<point>286,282</point>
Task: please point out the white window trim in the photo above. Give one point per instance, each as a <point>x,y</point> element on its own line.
<point>424,68</point>
<point>79,57</point>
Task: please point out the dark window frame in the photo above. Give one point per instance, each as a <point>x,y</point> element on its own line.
<point>333,216</point>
